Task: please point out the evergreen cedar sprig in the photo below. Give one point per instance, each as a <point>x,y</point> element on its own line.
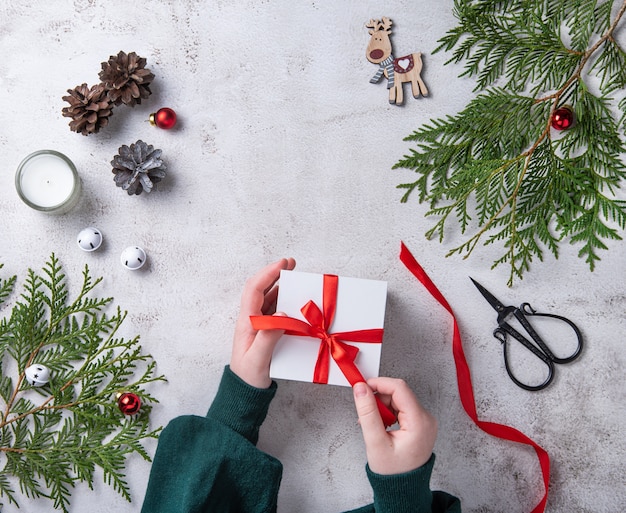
<point>56,436</point>
<point>497,168</point>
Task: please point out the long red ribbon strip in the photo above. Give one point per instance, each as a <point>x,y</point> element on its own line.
<point>464,380</point>
<point>332,344</point>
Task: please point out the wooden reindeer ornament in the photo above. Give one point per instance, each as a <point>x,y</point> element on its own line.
<point>397,71</point>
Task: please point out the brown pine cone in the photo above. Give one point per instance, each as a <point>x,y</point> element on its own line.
<point>126,78</point>
<point>89,108</point>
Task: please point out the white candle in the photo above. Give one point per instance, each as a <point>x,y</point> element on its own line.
<point>47,181</point>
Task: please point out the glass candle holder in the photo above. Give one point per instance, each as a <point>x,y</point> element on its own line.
<point>47,181</point>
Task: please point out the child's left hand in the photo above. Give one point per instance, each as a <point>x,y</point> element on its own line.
<point>252,349</point>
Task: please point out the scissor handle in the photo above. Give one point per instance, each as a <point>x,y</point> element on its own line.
<point>525,309</point>
<point>500,333</point>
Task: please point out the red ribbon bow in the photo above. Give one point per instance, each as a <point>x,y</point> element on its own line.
<point>332,344</point>
<point>466,391</point>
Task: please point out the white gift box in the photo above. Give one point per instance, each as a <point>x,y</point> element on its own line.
<point>360,305</point>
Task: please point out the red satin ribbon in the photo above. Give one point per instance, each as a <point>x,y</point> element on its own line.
<point>464,380</point>
<point>332,344</point>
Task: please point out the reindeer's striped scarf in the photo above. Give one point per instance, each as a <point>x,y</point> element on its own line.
<point>387,64</point>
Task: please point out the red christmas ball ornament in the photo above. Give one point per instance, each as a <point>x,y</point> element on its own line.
<point>128,403</point>
<point>562,118</point>
<point>163,118</point>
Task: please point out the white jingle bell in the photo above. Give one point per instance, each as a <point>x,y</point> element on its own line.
<point>37,375</point>
<point>133,258</point>
<point>89,239</point>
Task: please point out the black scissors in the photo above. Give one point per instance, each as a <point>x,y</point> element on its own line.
<point>539,348</point>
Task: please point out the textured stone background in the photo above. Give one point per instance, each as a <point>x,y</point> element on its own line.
<point>285,149</point>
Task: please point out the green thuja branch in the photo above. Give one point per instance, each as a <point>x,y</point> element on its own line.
<point>497,168</point>
<point>58,435</point>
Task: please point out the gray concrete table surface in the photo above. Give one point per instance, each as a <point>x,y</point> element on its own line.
<point>284,148</point>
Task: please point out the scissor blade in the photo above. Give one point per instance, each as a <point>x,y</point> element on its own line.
<point>491,299</point>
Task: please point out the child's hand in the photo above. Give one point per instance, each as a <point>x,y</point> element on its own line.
<point>401,450</point>
<point>252,349</point>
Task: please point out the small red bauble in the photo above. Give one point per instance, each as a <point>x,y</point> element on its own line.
<point>163,118</point>
<point>562,118</point>
<point>129,403</point>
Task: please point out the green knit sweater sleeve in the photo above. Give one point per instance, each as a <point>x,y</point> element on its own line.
<point>408,493</point>
<point>211,464</point>
<point>241,407</point>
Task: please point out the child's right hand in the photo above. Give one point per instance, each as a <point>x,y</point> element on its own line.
<point>401,450</point>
